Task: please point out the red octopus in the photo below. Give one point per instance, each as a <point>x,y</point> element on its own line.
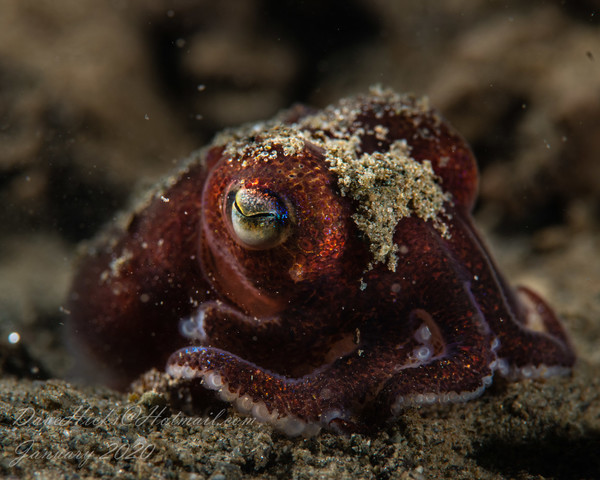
<point>317,270</point>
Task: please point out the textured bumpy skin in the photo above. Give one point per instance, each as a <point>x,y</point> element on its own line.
<point>380,293</point>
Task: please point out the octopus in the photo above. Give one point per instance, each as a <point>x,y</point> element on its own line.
<point>320,270</point>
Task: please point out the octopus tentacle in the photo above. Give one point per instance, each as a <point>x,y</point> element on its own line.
<point>390,362</point>
<point>550,351</point>
<point>405,360</point>
<point>216,323</point>
<point>293,405</point>
<point>467,366</point>
<point>531,341</point>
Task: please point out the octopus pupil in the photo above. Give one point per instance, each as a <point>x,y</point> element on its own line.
<point>254,215</point>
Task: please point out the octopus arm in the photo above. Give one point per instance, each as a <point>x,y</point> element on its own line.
<point>441,348</point>
<point>218,323</point>
<point>531,341</point>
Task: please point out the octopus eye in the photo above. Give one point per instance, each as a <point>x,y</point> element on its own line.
<point>260,219</point>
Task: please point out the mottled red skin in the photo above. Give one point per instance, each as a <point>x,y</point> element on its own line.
<point>270,334</point>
